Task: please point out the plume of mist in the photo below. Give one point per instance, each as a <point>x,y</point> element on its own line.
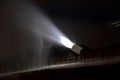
<point>23,27</point>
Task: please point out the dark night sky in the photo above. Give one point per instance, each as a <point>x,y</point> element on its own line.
<point>85,21</point>
<point>97,11</point>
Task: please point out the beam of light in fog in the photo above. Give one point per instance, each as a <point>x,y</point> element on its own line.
<point>49,30</point>
<point>28,16</point>
<point>33,18</point>
<point>24,25</point>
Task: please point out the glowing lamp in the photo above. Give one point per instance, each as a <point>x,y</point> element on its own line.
<point>69,44</point>
<point>66,42</point>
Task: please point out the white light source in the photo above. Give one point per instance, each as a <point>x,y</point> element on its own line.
<point>66,42</point>
<point>69,44</point>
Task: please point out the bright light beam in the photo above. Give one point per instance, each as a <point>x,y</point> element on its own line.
<point>35,21</point>
<point>69,44</point>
